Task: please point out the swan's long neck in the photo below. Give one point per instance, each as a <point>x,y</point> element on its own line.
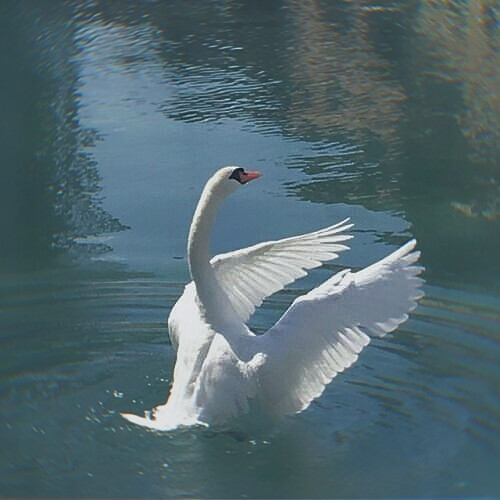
<point>199,247</point>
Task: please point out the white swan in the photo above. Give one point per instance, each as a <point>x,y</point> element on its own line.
<point>221,364</point>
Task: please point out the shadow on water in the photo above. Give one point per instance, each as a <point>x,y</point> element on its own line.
<point>50,186</point>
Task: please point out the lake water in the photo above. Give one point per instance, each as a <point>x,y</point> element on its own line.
<point>114,114</point>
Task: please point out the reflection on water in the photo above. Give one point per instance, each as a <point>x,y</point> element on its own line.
<point>341,82</point>
<point>465,51</point>
<point>50,179</point>
<point>414,103</point>
<point>412,88</point>
<point>385,112</point>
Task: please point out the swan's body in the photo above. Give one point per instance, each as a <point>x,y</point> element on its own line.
<point>221,365</point>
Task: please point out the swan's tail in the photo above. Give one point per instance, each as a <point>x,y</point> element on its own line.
<point>145,421</point>
<point>160,421</point>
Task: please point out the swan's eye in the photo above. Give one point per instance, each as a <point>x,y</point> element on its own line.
<point>238,175</point>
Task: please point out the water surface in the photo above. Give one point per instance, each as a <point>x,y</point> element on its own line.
<point>115,114</point>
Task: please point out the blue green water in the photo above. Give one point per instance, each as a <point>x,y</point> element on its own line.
<point>114,114</point>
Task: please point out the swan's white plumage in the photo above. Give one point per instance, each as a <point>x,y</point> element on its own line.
<point>250,275</point>
<point>322,332</point>
<point>221,364</point>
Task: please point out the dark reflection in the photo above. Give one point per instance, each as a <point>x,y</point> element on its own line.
<point>417,90</point>
<point>49,180</point>
<point>397,99</point>
<point>409,85</point>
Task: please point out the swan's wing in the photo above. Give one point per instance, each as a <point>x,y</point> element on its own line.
<point>250,275</point>
<point>323,332</point>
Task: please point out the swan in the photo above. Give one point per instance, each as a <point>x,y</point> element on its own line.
<point>222,365</point>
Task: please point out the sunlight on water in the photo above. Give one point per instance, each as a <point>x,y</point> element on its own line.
<point>114,117</point>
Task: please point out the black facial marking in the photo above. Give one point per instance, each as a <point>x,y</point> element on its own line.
<point>236,174</point>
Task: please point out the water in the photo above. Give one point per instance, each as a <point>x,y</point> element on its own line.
<point>115,114</point>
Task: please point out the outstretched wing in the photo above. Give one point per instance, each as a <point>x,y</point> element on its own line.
<point>250,275</point>
<point>323,332</point>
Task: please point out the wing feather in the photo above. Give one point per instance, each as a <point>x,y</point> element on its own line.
<point>250,275</point>
<point>323,332</point>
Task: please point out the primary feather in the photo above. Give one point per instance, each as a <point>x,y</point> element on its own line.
<point>322,332</point>
<point>250,275</point>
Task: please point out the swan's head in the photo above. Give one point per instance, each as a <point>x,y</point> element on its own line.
<point>228,179</point>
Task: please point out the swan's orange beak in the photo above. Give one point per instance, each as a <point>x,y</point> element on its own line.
<point>249,176</point>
